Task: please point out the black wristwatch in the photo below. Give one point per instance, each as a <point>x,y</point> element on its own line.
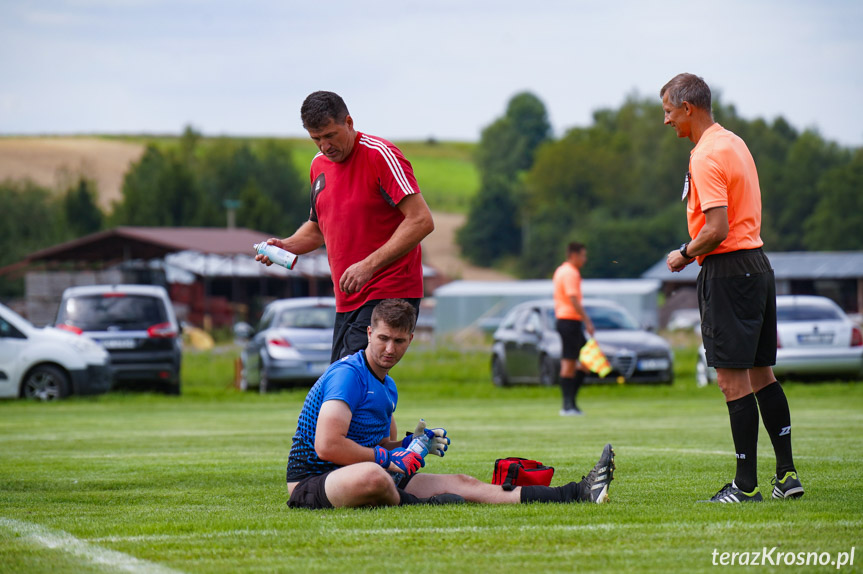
<point>683,251</point>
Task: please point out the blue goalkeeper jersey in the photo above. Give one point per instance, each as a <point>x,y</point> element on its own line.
<point>372,403</point>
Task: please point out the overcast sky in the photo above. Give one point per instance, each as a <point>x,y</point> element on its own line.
<point>412,70</point>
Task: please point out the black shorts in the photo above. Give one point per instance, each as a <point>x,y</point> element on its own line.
<point>349,332</point>
<point>737,300</point>
<point>572,338</point>
<point>310,493</point>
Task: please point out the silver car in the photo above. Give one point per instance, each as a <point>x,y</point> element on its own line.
<point>292,343</point>
<point>817,340</point>
<point>527,346</point>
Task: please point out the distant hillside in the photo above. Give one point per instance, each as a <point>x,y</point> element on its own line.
<point>445,172</point>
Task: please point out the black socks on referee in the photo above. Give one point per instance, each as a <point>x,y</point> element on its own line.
<point>743,413</point>
<point>777,420</point>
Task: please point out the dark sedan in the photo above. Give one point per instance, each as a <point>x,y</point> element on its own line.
<point>527,346</point>
<point>292,344</point>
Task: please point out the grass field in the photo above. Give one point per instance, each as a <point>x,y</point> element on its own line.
<point>144,483</point>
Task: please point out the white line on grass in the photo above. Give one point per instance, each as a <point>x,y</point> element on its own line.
<point>60,540</point>
<point>330,530</point>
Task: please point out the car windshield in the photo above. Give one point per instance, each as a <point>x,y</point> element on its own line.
<point>112,311</point>
<point>307,318</point>
<point>610,319</point>
<point>794,313</point>
<point>604,318</point>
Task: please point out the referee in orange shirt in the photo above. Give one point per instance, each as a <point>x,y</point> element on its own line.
<point>736,287</point>
<point>572,322</point>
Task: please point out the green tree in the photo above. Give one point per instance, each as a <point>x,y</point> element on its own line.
<point>838,218</point>
<point>161,190</point>
<point>507,148</point>
<point>80,208</point>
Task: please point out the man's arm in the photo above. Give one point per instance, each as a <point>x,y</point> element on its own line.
<point>307,238</point>
<point>713,233</point>
<point>331,436</point>
<point>417,224</point>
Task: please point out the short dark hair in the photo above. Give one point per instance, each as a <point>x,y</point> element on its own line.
<point>321,107</point>
<point>574,247</point>
<point>687,88</point>
<point>395,313</point>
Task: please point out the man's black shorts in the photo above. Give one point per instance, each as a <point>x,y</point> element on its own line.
<point>349,332</point>
<point>572,337</point>
<point>310,493</point>
<point>737,299</point>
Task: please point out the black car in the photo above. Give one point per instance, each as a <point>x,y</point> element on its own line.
<point>136,324</point>
<point>527,346</point>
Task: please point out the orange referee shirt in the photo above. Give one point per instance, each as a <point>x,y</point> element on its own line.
<point>567,283</point>
<point>722,174</point>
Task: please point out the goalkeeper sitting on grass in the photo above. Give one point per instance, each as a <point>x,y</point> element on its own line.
<point>346,450</point>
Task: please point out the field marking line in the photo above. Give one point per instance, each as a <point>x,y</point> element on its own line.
<point>61,540</point>
<point>602,526</point>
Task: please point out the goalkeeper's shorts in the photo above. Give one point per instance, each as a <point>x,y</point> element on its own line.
<point>310,493</point>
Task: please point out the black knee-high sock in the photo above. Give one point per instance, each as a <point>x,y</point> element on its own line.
<point>579,380</point>
<point>566,493</point>
<point>408,498</point>
<point>743,413</point>
<point>568,390</point>
<point>777,420</point>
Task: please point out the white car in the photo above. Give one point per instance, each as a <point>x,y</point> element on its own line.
<point>816,340</point>
<point>48,363</point>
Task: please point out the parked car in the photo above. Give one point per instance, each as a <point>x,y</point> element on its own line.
<point>816,340</point>
<point>138,327</point>
<point>292,344</point>
<point>527,346</point>
<point>48,363</point>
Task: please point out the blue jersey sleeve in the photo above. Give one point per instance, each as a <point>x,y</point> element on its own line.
<point>346,385</point>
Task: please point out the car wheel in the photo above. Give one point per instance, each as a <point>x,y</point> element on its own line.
<point>547,372</point>
<point>701,373</point>
<point>46,383</point>
<point>498,373</point>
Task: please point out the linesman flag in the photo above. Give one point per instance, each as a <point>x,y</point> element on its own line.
<point>591,356</point>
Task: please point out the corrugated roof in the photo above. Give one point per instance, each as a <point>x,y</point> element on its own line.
<point>151,242</point>
<point>786,265</point>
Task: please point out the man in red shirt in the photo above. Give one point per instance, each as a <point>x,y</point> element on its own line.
<point>367,208</point>
<point>736,287</point>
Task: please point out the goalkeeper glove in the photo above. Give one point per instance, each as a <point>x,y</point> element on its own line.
<point>408,462</point>
<point>438,442</point>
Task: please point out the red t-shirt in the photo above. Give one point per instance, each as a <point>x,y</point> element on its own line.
<point>354,202</point>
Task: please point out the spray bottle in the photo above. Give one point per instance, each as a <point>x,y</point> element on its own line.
<point>275,254</point>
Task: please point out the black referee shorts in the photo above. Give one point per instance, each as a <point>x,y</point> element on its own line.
<point>572,338</point>
<point>737,300</point>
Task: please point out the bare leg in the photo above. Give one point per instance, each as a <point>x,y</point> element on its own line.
<point>472,489</point>
<point>361,484</point>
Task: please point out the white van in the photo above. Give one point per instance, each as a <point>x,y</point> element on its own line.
<point>48,363</point>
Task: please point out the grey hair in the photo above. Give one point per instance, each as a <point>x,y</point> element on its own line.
<point>687,88</point>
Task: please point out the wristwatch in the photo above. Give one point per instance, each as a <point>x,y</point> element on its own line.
<point>683,251</point>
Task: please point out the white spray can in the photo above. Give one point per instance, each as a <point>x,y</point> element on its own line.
<point>277,255</point>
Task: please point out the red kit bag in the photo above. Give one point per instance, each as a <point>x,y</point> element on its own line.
<point>514,471</point>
